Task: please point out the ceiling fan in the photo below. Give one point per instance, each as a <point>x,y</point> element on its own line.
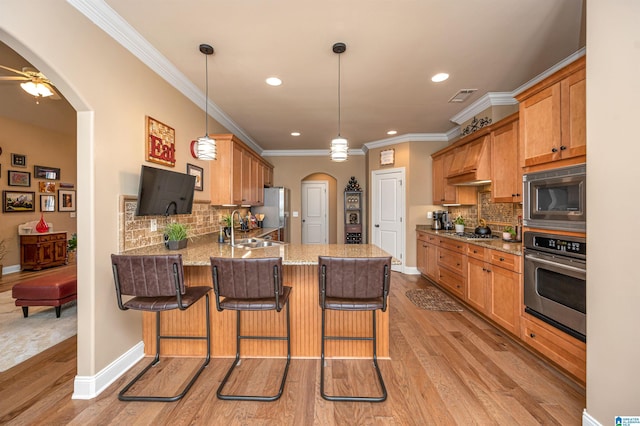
<point>33,82</point>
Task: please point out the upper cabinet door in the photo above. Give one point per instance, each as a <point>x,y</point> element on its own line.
<point>540,126</point>
<point>574,115</point>
<point>506,176</point>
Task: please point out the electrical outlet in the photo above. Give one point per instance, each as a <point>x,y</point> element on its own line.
<point>154,225</point>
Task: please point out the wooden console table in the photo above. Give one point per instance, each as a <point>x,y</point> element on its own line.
<point>39,251</point>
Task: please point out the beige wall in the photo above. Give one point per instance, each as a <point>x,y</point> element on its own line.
<point>613,277</point>
<point>42,147</point>
<point>415,157</point>
<point>291,171</point>
<point>112,102</point>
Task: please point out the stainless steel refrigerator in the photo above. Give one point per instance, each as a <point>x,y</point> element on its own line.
<point>276,211</point>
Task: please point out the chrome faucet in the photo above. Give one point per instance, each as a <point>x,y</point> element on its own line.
<point>233,234</point>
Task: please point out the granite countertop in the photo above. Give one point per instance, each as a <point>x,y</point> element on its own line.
<point>494,243</point>
<point>200,249</point>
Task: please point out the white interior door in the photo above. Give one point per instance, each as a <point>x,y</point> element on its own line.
<point>315,229</point>
<point>387,212</point>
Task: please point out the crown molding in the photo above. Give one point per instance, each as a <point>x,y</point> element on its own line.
<point>557,67</point>
<point>304,152</point>
<point>98,12</point>
<point>409,137</point>
<point>486,101</point>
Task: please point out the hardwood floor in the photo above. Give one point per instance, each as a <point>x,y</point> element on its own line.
<point>445,368</point>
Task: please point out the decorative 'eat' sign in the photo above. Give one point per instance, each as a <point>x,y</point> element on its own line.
<point>161,143</point>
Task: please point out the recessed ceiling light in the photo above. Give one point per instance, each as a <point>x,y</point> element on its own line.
<point>440,77</point>
<point>274,81</point>
<point>392,132</point>
<point>295,133</point>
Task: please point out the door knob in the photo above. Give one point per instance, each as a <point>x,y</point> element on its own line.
<point>376,225</point>
<point>303,220</point>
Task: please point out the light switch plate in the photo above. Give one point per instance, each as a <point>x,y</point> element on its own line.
<point>294,213</point>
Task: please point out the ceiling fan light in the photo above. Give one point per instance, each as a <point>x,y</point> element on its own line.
<point>204,148</point>
<point>36,89</point>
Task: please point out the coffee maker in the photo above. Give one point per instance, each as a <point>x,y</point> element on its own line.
<point>437,220</point>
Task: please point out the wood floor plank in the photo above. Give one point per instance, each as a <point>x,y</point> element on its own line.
<point>446,368</point>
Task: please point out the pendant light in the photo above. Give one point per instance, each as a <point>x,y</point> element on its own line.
<point>339,146</point>
<point>205,148</point>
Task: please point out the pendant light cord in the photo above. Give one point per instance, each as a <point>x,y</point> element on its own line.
<point>339,113</point>
<point>206,96</point>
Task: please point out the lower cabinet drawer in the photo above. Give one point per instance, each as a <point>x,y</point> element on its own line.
<point>456,262</point>
<point>454,282</point>
<point>566,352</point>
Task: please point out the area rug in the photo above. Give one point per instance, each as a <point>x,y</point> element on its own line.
<point>432,299</point>
<point>21,338</point>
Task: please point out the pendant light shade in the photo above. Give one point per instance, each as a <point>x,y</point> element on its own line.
<point>205,148</point>
<point>339,146</point>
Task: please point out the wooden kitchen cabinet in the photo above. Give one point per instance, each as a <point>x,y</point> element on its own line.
<point>494,286</point>
<point>506,173</point>
<point>452,265</point>
<point>237,176</point>
<point>566,352</point>
<point>553,118</point>
<point>43,250</point>
<point>443,192</point>
<point>426,255</point>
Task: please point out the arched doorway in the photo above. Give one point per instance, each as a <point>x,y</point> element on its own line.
<point>331,203</point>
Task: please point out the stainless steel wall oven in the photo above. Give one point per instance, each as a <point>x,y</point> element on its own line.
<point>555,282</point>
<point>556,199</point>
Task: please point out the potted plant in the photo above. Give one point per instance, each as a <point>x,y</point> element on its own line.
<point>72,245</point>
<point>228,223</point>
<point>509,233</point>
<point>175,236</point>
<point>458,222</point>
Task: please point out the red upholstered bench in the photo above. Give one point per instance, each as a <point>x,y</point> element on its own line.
<point>49,290</point>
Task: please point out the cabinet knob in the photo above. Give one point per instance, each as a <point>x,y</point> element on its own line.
<point>532,335</point>
<point>475,251</point>
<point>457,264</point>
<point>554,149</point>
<point>502,259</point>
<point>484,269</point>
<point>562,147</point>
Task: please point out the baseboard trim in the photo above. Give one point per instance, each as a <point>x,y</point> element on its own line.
<point>587,420</point>
<point>10,269</point>
<point>411,270</point>
<point>88,387</point>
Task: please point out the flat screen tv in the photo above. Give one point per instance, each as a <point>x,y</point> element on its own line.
<point>163,192</point>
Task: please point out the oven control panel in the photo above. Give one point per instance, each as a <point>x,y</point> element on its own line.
<point>560,244</point>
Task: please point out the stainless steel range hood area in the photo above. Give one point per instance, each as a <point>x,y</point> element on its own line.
<point>471,164</point>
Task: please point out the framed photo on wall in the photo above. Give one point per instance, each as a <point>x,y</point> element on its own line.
<point>44,172</point>
<point>17,178</point>
<point>160,143</point>
<point>66,200</point>
<point>197,172</point>
<point>47,203</point>
<point>18,160</point>
<point>18,201</point>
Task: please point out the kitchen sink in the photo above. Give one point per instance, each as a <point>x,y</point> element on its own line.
<point>254,243</point>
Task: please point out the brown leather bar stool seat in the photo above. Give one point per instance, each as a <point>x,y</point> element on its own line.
<point>251,285</point>
<point>353,284</point>
<point>157,284</point>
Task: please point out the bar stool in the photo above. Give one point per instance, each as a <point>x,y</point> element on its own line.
<point>353,284</point>
<point>251,285</point>
<point>157,284</point>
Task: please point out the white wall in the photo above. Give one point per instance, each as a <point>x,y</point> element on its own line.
<point>613,153</point>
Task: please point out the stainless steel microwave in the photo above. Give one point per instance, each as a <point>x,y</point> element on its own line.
<point>556,199</point>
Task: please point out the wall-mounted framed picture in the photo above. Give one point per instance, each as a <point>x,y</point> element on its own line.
<point>47,187</point>
<point>18,160</point>
<point>198,173</point>
<point>160,143</point>
<point>18,178</point>
<point>66,200</point>
<point>47,203</point>
<point>44,172</point>
<point>387,157</point>
<point>18,201</point>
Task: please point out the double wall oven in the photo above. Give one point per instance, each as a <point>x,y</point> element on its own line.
<point>555,265</point>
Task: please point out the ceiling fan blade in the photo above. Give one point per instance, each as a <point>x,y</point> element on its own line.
<point>24,74</point>
<point>13,78</point>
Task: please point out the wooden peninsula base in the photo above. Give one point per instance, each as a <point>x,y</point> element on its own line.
<point>305,317</point>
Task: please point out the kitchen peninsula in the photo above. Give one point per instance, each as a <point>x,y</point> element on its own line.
<point>300,271</point>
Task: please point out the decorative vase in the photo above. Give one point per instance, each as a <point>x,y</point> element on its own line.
<point>42,226</point>
<point>459,228</point>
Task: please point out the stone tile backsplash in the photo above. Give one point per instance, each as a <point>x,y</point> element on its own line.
<point>497,215</point>
<point>135,231</point>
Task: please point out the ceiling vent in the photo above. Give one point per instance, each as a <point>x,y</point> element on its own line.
<point>462,95</point>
